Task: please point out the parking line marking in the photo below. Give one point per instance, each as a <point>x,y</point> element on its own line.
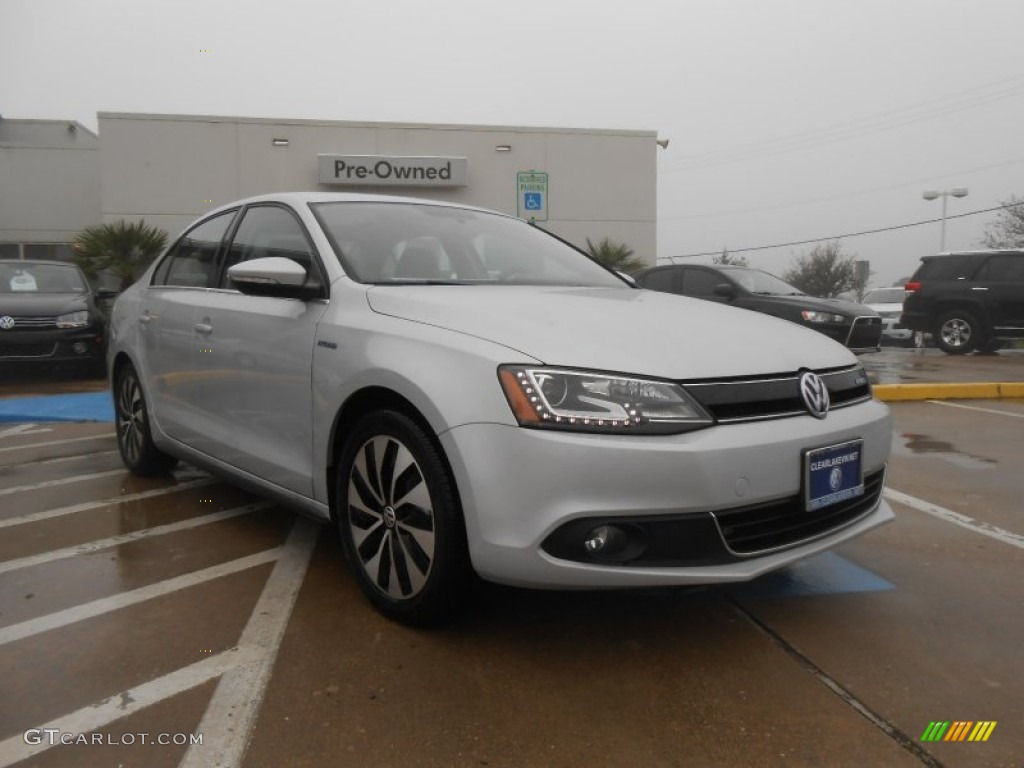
<point>975,408</point>
<point>231,714</point>
<point>46,514</point>
<point>95,608</point>
<point>49,443</point>
<point>22,429</point>
<point>95,716</point>
<point>985,529</point>
<point>124,538</point>
<point>61,481</point>
<point>58,459</point>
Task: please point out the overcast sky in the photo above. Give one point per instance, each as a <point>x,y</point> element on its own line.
<point>787,119</point>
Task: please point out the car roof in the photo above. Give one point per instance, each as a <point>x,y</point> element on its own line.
<point>982,252</point>
<point>298,199</point>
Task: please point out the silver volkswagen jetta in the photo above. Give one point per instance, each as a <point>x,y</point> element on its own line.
<point>458,391</point>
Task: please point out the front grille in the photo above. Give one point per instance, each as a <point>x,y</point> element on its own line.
<point>27,350</point>
<point>784,523</point>
<point>776,396</point>
<point>33,322</point>
<point>866,332</point>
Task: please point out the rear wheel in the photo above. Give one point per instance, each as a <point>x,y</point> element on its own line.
<point>957,332</point>
<point>400,522</point>
<point>134,440</point>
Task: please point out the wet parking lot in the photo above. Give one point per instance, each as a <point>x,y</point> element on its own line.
<point>141,617</point>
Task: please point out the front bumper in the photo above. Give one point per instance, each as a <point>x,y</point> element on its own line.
<point>518,486</point>
<point>53,346</point>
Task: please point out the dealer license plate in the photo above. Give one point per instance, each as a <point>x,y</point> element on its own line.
<point>833,474</point>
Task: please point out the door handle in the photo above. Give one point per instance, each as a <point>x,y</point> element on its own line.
<point>204,328</point>
<point>145,318</point>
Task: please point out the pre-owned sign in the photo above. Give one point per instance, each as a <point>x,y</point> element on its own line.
<point>379,170</point>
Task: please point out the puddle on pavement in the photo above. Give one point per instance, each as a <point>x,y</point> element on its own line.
<point>912,444</point>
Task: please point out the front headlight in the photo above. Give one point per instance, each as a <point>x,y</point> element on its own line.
<point>813,316</point>
<point>591,401</point>
<point>78,319</point>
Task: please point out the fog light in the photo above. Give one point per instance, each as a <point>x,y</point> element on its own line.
<point>79,348</point>
<point>605,540</point>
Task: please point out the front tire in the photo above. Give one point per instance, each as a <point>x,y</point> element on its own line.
<point>957,332</point>
<point>400,521</point>
<point>134,440</point>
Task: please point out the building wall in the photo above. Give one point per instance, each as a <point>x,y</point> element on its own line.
<point>49,183</point>
<point>169,169</point>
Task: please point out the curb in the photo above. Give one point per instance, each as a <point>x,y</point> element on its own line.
<point>990,390</point>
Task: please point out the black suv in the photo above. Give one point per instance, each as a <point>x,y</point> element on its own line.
<point>967,301</point>
<point>856,326</point>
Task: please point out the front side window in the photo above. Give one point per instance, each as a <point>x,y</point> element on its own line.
<point>192,262</point>
<point>399,243</point>
<point>267,231</point>
<point>701,282</point>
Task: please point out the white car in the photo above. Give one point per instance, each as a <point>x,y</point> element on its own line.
<point>888,302</point>
<point>456,390</point>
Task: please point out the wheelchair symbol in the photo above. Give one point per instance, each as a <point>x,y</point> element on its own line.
<point>533,201</point>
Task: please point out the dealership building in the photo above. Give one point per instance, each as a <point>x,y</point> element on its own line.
<point>57,177</point>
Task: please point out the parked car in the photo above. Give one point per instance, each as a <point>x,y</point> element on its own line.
<point>888,303</point>
<point>458,391</point>
<point>972,300</point>
<point>48,315</point>
<point>854,325</point>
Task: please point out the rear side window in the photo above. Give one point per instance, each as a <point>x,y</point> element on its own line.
<point>192,262</point>
<point>660,280</point>
<point>948,268</point>
<point>265,231</point>
<point>1003,269</point>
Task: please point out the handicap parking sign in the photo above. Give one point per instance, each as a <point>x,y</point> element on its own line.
<point>532,194</point>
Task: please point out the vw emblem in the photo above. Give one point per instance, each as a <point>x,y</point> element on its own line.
<point>835,478</point>
<point>6,322</point>
<point>815,394</point>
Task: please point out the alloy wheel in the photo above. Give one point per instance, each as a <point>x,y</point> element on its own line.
<point>131,417</point>
<point>391,518</point>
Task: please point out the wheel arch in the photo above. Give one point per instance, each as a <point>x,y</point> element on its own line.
<point>361,402</point>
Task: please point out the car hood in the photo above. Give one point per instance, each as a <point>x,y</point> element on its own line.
<point>819,304</point>
<point>616,329</point>
<point>891,307</point>
<point>42,304</point>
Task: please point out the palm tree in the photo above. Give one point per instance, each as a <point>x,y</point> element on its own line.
<point>124,249</point>
<point>617,256</point>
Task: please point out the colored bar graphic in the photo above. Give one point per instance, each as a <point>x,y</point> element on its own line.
<point>958,730</point>
<point>982,730</point>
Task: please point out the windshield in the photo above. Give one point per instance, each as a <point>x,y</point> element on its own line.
<point>402,243</point>
<point>885,296</point>
<point>756,281</point>
<point>26,277</point>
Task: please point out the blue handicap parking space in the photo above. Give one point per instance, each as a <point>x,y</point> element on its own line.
<point>86,406</point>
<point>824,574</point>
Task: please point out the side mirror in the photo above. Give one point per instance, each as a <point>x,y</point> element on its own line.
<point>272,276</point>
<point>726,290</point>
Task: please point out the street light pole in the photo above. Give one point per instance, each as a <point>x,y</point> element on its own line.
<point>932,194</point>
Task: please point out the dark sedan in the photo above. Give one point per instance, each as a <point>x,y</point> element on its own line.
<point>854,325</point>
<point>48,314</point>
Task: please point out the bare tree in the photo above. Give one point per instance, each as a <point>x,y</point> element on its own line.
<point>1007,231</point>
<point>727,259</point>
<point>826,271</point>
